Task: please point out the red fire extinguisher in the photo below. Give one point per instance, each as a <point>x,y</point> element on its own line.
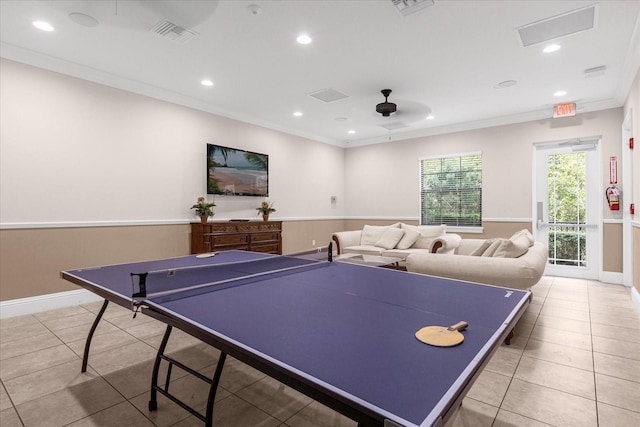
<point>613,198</point>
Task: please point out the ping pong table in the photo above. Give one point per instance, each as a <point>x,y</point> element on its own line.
<point>341,333</point>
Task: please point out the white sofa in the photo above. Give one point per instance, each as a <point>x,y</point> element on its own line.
<point>517,262</point>
<point>398,240</point>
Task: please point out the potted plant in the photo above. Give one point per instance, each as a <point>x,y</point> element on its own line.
<point>265,209</point>
<point>203,209</point>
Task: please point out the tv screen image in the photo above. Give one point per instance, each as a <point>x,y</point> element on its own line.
<point>236,172</point>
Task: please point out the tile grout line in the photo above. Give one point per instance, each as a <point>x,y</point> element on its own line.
<point>518,364</point>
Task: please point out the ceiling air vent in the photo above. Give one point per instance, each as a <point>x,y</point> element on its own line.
<point>173,32</point>
<point>558,26</point>
<point>407,7</point>
<point>328,95</point>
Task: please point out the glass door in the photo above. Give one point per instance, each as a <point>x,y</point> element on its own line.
<point>566,214</point>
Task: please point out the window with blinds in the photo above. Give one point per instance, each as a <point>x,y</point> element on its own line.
<point>451,190</point>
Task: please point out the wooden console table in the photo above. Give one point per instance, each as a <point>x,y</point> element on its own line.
<point>255,236</point>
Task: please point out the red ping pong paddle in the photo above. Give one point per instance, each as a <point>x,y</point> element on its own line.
<point>442,336</point>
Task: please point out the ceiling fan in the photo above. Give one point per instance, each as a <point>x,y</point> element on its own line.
<point>386,108</point>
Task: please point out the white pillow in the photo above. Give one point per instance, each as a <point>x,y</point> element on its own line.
<point>371,234</point>
<point>512,249</point>
<point>390,238</point>
<point>523,237</point>
<point>409,238</point>
<point>428,233</point>
<point>480,250</point>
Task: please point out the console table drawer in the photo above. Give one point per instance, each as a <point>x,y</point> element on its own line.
<point>229,239</point>
<point>257,236</point>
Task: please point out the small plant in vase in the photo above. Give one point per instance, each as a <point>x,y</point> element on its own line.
<point>265,209</point>
<point>203,209</point>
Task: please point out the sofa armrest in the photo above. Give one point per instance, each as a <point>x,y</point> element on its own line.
<point>344,239</point>
<point>446,244</point>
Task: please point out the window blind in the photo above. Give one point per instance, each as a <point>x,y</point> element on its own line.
<point>451,190</point>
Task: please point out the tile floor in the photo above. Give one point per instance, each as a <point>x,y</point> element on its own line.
<point>575,361</point>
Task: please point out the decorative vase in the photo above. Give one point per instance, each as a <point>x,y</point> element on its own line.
<point>204,218</point>
<point>265,217</point>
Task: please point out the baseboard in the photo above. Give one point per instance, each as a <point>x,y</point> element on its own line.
<point>22,306</point>
<point>611,277</point>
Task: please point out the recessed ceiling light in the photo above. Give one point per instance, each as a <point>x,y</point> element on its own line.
<point>430,117</point>
<point>44,26</point>
<point>254,9</point>
<point>551,48</point>
<point>303,39</point>
<point>297,113</point>
<point>83,19</point>
<point>351,132</point>
<point>560,93</point>
<point>206,82</point>
<point>341,119</point>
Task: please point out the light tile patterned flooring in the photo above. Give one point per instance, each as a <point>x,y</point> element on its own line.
<point>575,361</point>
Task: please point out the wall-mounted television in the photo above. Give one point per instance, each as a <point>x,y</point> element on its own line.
<point>236,172</point>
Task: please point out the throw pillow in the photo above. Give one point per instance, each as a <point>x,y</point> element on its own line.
<point>493,247</point>
<point>524,236</point>
<point>409,238</point>
<point>390,238</point>
<point>511,249</point>
<point>371,234</point>
<point>428,233</point>
<point>482,248</point>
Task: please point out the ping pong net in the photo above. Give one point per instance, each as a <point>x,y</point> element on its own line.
<point>182,282</point>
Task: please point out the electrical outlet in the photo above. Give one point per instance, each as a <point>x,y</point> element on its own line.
<point>313,242</point>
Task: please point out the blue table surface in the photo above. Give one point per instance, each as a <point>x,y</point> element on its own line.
<point>348,327</point>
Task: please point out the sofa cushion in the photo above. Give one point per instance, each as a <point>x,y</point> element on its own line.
<point>390,238</point>
<point>504,248</point>
<point>523,237</point>
<point>480,250</point>
<point>408,239</point>
<point>427,234</point>
<point>363,249</point>
<point>372,233</point>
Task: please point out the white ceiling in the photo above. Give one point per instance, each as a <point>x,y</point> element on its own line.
<point>444,60</point>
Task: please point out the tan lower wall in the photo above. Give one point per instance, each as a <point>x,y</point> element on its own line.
<point>612,247</point>
<point>31,259</point>
<point>299,235</point>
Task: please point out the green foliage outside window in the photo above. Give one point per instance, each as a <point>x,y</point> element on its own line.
<point>566,180</point>
<point>451,190</point>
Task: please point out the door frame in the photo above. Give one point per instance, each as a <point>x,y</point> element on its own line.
<point>627,198</point>
<point>597,204</point>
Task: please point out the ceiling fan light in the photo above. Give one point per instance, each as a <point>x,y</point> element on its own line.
<point>386,108</point>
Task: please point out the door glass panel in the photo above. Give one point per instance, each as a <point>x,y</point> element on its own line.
<point>567,209</point>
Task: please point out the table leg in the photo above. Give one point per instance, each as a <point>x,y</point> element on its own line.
<point>153,401</point>
<point>507,340</point>
<point>214,387</point>
<point>87,344</point>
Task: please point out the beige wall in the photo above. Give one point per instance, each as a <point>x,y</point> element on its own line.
<point>633,105</point>
<point>76,151</point>
<point>392,170</point>
<point>91,175</point>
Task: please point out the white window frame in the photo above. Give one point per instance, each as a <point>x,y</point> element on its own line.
<point>465,229</point>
